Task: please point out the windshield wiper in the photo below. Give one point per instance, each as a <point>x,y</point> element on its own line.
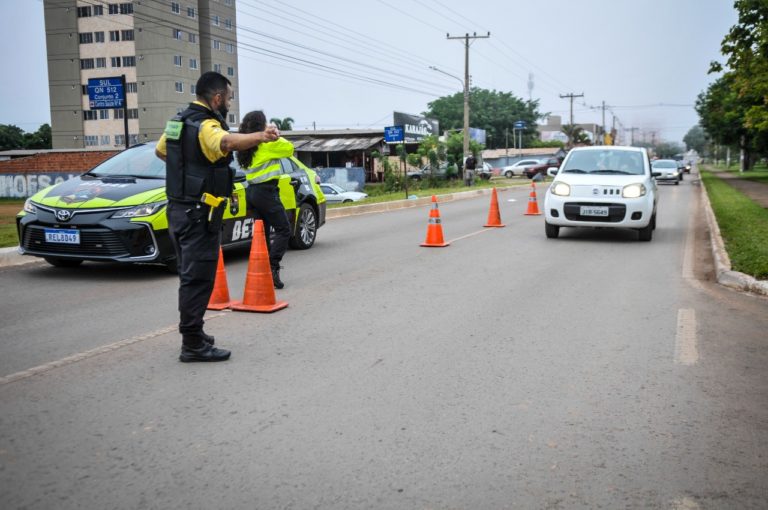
<point>574,171</point>
<point>620,172</point>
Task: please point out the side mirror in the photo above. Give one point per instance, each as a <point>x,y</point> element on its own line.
<point>552,171</point>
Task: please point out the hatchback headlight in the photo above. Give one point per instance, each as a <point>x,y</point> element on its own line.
<point>139,210</point>
<point>29,206</point>
<point>633,191</point>
<point>561,189</point>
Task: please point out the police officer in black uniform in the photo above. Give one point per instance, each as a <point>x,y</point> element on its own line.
<point>196,147</point>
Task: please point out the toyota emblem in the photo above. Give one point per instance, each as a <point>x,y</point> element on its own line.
<point>63,214</point>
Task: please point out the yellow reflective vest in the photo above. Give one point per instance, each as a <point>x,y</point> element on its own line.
<point>265,164</point>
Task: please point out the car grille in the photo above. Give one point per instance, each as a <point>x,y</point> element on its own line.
<point>616,212</point>
<point>94,242</point>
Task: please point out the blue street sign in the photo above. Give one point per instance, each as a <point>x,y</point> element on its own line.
<point>520,124</point>
<point>394,134</point>
<point>105,93</point>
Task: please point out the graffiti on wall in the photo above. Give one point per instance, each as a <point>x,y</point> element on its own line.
<point>26,185</point>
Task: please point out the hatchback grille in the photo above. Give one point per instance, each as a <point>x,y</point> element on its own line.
<point>616,212</point>
<point>95,242</point>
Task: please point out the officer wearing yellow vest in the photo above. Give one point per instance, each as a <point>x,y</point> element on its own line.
<point>263,173</point>
<point>196,147</point>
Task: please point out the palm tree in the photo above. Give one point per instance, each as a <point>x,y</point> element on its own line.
<point>285,124</point>
<point>576,135</point>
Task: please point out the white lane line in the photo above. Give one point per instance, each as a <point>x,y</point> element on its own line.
<point>93,352</point>
<point>686,352</point>
<point>470,235</point>
<point>688,250</point>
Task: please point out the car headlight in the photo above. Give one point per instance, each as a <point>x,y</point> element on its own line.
<point>561,189</point>
<point>30,206</point>
<point>139,210</point>
<point>633,191</point>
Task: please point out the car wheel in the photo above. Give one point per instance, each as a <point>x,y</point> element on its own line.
<point>552,231</point>
<point>508,174</point>
<point>677,182</point>
<point>646,234</point>
<point>306,228</point>
<point>347,201</point>
<point>63,262</point>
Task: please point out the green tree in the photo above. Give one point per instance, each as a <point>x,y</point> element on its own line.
<point>576,135</point>
<point>495,112</point>
<point>40,139</point>
<point>667,150</point>
<point>285,124</point>
<point>696,139</point>
<point>11,137</point>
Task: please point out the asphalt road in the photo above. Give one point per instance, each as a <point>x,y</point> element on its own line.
<point>504,371</point>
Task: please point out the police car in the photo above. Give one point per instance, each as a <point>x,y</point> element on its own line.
<point>116,212</point>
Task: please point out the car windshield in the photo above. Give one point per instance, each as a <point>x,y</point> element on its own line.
<point>610,161</point>
<point>139,161</point>
<point>664,164</point>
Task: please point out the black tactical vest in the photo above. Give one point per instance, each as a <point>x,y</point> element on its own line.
<point>189,173</point>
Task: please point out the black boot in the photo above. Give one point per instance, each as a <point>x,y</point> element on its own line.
<point>206,352</point>
<point>276,278</point>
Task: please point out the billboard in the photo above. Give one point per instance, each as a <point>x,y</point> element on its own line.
<point>416,128</point>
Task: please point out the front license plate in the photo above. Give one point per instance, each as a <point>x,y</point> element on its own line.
<point>62,236</point>
<point>594,211</point>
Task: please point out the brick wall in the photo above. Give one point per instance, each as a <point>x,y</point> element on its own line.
<point>58,162</point>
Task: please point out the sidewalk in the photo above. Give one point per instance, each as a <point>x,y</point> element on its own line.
<point>757,191</point>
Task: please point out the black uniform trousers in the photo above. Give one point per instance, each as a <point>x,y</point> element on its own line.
<point>197,253</point>
<point>264,200</point>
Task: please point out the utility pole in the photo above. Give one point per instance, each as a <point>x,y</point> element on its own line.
<point>467,38</point>
<point>632,134</point>
<point>571,96</point>
<point>603,122</point>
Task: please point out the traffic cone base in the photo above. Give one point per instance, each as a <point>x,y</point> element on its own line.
<point>259,292</point>
<point>220,296</point>
<point>435,228</point>
<point>533,205</point>
<point>494,217</point>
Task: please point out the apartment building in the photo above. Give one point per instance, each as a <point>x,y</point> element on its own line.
<point>160,46</point>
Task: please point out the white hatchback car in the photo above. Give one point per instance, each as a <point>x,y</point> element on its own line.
<point>517,167</point>
<point>335,194</point>
<point>602,187</point>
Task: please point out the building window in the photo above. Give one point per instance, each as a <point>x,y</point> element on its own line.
<point>129,61</point>
<point>217,68</point>
<point>114,8</point>
<point>230,71</point>
<point>133,113</point>
<point>179,87</point>
<point>193,38</point>
<point>117,113</point>
<point>91,140</point>
<point>176,33</point>
<point>114,35</point>
<point>119,140</point>
<point>126,8</point>
<point>215,44</point>
<point>177,60</point>
<point>86,38</point>
<point>85,89</point>
<point>229,47</point>
<point>115,61</point>
<point>175,8</point>
<point>193,63</point>
<point>105,139</point>
<point>231,118</point>
<point>228,24</point>
<point>133,139</point>
<point>191,12</point>
<point>192,89</point>
<point>101,62</point>
<point>86,63</point>
<point>127,35</point>
<point>131,87</point>
<point>98,10</point>
<point>84,12</point>
<point>103,114</point>
<point>215,20</point>
<point>89,114</point>
<point>98,37</point>
<point>228,2</point>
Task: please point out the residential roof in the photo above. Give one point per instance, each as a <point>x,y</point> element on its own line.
<point>335,144</point>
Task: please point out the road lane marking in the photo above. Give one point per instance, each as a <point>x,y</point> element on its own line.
<point>91,353</point>
<point>469,235</point>
<point>686,352</point>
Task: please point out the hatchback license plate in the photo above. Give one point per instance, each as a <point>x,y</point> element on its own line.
<point>594,211</point>
<point>62,236</point>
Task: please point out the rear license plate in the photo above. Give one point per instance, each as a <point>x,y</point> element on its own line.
<point>594,211</point>
<point>62,236</point>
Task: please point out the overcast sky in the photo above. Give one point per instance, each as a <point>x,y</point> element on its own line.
<point>351,63</point>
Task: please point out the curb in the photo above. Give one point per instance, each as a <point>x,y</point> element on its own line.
<point>723,270</point>
<point>11,257</point>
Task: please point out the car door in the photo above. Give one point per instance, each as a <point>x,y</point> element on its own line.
<point>331,195</point>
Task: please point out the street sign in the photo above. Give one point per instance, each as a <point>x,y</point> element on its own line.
<point>520,124</point>
<point>394,134</point>
<point>105,93</point>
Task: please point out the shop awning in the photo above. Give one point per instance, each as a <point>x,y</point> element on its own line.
<point>335,144</point>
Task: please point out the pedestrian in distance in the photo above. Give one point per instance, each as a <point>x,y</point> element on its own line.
<point>469,169</point>
<point>197,149</point>
<point>264,175</point>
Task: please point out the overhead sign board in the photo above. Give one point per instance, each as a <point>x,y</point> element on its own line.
<point>105,93</point>
<point>416,128</point>
<point>520,124</point>
<point>394,134</point>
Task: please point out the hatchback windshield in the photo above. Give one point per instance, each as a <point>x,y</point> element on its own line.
<point>664,163</point>
<point>139,161</point>
<point>609,161</point>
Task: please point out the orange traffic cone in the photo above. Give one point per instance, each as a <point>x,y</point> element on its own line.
<point>494,217</point>
<point>220,295</point>
<point>533,205</point>
<point>259,292</point>
<point>434,229</point>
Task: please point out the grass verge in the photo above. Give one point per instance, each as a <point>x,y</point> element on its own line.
<point>743,226</point>
<point>8,209</point>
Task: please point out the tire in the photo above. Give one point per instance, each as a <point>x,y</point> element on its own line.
<point>347,201</point>
<point>306,228</point>
<point>646,234</point>
<point>509,174</point>
<point>552,231</point>
<point>63,262</point>
<point>677,182</point>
